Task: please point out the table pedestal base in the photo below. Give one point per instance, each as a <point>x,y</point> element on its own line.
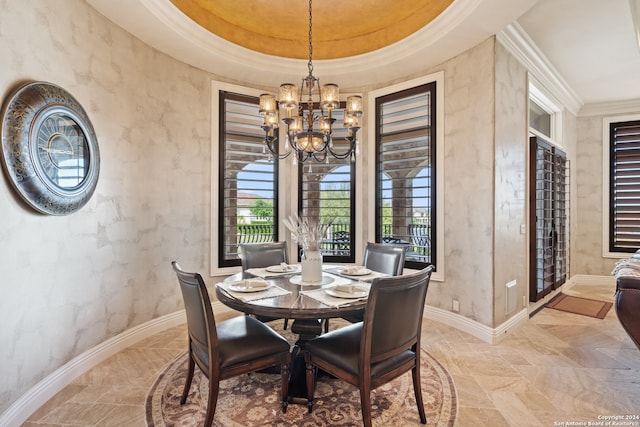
<point>306,329</point>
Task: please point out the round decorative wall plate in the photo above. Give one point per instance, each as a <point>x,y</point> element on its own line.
<point>49,148</point>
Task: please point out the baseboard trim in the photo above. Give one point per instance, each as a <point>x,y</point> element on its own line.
<point>39,394</point>
<point>515,321</point>
<point>473,328</point>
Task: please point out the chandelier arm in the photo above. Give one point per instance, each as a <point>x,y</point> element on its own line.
<point>272,142</point>
<point>304,156</point>
<point>318,158</point>
<point>343,155</point>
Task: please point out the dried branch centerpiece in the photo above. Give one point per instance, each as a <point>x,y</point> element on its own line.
<point>308,233</point>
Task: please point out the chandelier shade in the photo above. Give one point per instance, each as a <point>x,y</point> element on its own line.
<point>306,114</point>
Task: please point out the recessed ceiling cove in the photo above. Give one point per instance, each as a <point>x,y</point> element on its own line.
<point>341,28</point>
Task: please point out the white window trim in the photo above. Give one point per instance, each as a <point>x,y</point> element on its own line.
<point>552,106</point>
<point>606,169</point>
<point>438,78</point>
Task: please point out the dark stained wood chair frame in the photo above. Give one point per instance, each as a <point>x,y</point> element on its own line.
<point>211,367</point>
<point>383,258</point>
<point>261,255</point>
<point>409,331</point>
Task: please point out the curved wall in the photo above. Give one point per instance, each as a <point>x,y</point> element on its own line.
<point>69,283</point>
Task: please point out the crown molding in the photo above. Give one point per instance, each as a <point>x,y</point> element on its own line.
<point>464,24</point>
<point>630,106</point>
<point>519,44</point>
<point>215,54</point>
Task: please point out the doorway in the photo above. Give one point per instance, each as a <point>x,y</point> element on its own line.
<point>549,218</point>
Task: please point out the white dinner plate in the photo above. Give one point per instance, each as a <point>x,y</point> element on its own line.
<point>361,272</point>
<point>249,285</point>
<point>278,269</point>
<point>357,293</point>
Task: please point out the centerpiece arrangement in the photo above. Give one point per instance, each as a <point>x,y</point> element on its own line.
<point>308,233</point>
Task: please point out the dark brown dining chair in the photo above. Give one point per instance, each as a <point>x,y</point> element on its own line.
<point>384,346</point>
<point>383,258</point>
<point>236,346</point>
<point>261,255</point>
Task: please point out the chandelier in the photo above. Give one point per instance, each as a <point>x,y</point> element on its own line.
<point>307,114</point>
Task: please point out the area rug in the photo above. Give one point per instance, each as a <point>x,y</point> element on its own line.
<point>578,305</point>
<point>254,400</point>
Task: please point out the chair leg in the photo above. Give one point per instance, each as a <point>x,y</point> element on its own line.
<point>417,389</point>
<point>284,372</point>
<point>286,323</point>
<point>212,401</point>
<point>187,384</point>
<point>326,325</point>
<point>285,375</point>
<point>365,404</point>
<point>311,381</point>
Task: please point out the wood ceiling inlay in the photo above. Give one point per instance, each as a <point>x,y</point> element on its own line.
<point>341,28</point>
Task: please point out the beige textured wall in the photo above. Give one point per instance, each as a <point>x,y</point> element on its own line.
<point>587,257</point>
<point>510,246</point>
<point>69,283</point>
<point>570,146</point>
<point>468,185</point>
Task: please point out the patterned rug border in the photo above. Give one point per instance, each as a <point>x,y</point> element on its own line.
<point>453,411</point>
<point>153,399</point>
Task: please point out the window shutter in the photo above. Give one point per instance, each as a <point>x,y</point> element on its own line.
<point>624,227</point>
<point>405,184</point>
<point>327,192</point>
<point>249,199</point>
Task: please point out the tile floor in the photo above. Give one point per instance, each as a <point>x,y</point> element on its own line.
<point>557,369</point>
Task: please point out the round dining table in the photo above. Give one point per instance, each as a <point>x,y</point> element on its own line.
<point>294,302</point>
<point>294,305</point>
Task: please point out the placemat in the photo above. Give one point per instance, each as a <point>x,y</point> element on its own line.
<point>323,297</point>
<point>365,277</point>
<point>273,291</point>
<point>262,272</point>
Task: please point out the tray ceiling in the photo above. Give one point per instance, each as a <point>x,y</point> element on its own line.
<point>341,28</point>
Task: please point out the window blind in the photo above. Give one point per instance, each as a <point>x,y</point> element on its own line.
<point>405,175</point>
<point>327,191</point>
<point>624,204</point>
<point>248,185</point>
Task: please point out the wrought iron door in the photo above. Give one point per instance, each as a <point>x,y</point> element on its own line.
<point>549,210</point>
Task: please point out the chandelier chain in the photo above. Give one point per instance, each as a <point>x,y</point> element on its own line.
<point>310,43</point>
<point>308,130</point>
